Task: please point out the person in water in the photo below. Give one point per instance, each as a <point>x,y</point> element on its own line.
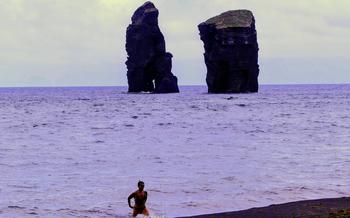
<point>140,197</point>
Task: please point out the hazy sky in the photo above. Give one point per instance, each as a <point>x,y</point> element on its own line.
<point>82,42</point>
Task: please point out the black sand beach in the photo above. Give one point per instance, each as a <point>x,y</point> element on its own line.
<point>321,208</point>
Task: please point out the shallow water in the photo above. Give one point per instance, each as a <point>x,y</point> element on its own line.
<point>75,152</point>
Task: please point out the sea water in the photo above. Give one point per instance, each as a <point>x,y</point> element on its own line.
<point>75,152</point>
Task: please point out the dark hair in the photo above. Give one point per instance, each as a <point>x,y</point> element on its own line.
<point>140,183</point>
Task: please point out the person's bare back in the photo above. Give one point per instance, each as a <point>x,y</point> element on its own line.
<point>140,197</point>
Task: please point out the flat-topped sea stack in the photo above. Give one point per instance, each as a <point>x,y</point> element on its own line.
<point>149,65</point>
<point>231,52</point>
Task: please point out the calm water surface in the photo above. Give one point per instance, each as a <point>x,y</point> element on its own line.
<point>70,152</point>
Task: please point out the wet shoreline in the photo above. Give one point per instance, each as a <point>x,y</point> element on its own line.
<point>328,208</point>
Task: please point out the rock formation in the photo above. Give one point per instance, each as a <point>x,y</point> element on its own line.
<point>149,65</point>
<point>231,52</point>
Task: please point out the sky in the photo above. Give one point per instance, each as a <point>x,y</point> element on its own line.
<point>82,42</point>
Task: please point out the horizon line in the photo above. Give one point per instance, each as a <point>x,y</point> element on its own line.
<point>106,86</point>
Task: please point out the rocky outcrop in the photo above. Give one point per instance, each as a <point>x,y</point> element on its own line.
<point>231,52</point>
<point>149,65</point>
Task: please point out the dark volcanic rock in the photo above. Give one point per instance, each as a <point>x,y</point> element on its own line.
<point>148,63</point>
<point>231,52</point>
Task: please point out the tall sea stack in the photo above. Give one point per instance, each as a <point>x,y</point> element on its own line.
<point>231,52</point>
<point>149,65</point>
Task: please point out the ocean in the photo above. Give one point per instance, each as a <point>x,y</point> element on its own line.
<point>80,151</point>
